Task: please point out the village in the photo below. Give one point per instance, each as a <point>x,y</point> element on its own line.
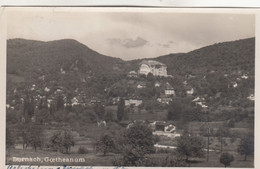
<point>75,110</point>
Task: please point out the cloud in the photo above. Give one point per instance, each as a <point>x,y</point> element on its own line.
<point>129,43</point>
<point>165,45</point>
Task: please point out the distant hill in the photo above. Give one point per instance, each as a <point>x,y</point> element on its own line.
<point>72,65</point>
<point>27,56</point>
<point>224,57</point>
<point>65,63</point>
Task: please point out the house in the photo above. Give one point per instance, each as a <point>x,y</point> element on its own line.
<point>115,100</point>
<point>62,71</point>
<point>164,99</point>
<point>169,90</point>
<point>245,76</point>
<point>251,97</point>
<point>157,84</point>
<point>160,125</point>
<point>74,101</point>
<point>124,123</point>
<point>170,128</point>
<point>190,92</point>
<point>165,127</point>
<point>200,101</point>
<point>154,67</point>
<point>235,84</point>
<point>46,89</point>
<point>95,100</point>
<point>141,85</point>
<point>132,74</point>
<point>133,101</point>
<point>185,82</point>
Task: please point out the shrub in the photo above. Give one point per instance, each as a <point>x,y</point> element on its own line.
<point>226,159</point>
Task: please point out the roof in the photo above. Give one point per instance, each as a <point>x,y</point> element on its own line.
<point>169,87</point>
<point>132,72</point>
<point>152,63</point>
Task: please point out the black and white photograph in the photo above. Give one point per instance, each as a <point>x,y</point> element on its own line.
<point>130,88</point>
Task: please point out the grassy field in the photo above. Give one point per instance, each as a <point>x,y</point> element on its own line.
<point>145,115</point>
<point>214,161</point>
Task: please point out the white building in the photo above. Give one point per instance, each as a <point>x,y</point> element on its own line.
<point>169,90</point>
<point>154,67</point>
<point>190,92</point>
<point>132,74</point>
<point>135,102</point>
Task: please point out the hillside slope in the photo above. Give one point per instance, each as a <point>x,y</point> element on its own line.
<point>225,57</point>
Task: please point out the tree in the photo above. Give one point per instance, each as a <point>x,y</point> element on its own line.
<point>43,104</point>
<point>105,144</point>
<point>137,141</point>
<point>9,138</point>
<point>100,111</point>
<point>28,108</point>
<point>140,135</point>
<point>132,156</point>
<point>60,103</point>
<point>60,116</point>
<point>190,146</point>
<point>35,141</point>
<point>32,136</point>
<point>109,116</point>
<point>246,146</point>
<point>121,109</point>
<point>226,159</point>
<point>62,141</point>
<point>175,111</point>
<point>42,115</point>
<point>68,140</point>
<point>150,77</point>
<point>221,133</point>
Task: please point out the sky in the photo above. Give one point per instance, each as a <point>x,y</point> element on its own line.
<point>130,35</point>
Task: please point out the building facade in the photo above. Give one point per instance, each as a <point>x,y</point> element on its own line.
<point>154,67</point>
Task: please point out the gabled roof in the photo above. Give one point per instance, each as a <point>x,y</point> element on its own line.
<point>132,72</point>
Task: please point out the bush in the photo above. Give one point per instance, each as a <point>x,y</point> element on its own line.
<point>190,146</point>
<point>226,159</point>
<point>82,150</point>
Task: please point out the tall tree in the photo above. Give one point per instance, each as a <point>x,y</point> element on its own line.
<point>105,144</point>
<point>121,109</point>
<point>28,106</point>
<point>31,135</point>
<point>99,110</point>
<point>60,103</point>
<point>246,146</point>
<point>9,139</point>
<point>62,141</point>
<point>222,132</point>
